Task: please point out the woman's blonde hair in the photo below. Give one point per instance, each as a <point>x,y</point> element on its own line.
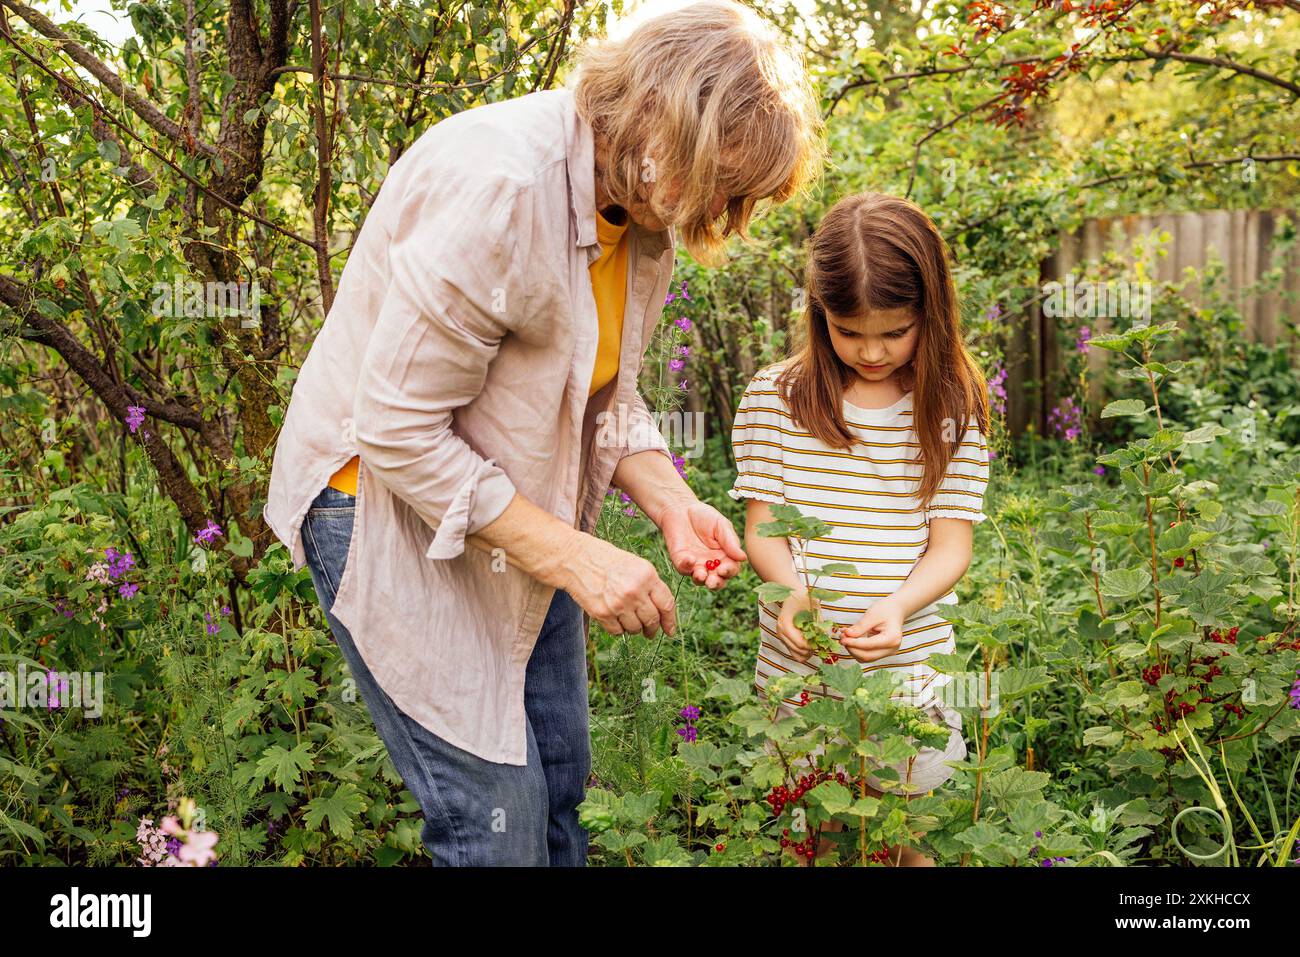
<point>710,96</point>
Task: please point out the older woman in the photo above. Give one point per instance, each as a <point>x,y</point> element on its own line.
<point>499,298</point>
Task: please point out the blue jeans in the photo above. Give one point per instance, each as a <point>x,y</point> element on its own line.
<point>478,812</point>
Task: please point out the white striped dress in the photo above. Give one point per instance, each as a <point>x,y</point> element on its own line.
<point>868,493</point>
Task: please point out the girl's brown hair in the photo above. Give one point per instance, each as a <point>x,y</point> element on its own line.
<point>873,252</point>
<point>710,96</point>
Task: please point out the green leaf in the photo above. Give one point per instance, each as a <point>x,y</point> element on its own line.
<point>284,768</point>
<point>1124,407</point>
<point>832,797</point>
<point>773,592</point>
<point>1124,582</point>
<point>339,809</point>
<point>110,152</point>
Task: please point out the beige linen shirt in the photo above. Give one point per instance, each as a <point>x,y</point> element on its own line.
<point>456,361</point>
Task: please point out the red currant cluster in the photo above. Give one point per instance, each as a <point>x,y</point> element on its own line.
<point>712,563</point>
<point>807,848</point>
<point>1225,638</point>
<point>1153,674</point>
<point>780,796</point>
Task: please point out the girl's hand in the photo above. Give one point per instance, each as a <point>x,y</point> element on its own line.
<point>877,634</point>
<point>788,631</point>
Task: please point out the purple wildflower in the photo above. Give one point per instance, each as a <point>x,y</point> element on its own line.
<point>134,417</point>
<point>1100,470</point>
<point>997,390</point>
<point>690,713</point>
<point>1066,419</point>
<point>208,534</point>
<point>683,385</point>
<point>679,463</point>
<point>119,563</point>
<point>127,590</point>
<point>1081,344</point>
<point>688,733</point>
<point>675,365</point>
<point>993,312</point>
<point>1295,693</point>
<point>683,324</point>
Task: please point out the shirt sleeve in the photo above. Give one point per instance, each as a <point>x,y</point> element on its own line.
<point>456,250</point>
<point>961,493</point>
<point>756,439</point>
<point>642,433</point>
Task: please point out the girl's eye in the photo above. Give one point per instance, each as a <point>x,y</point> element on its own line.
<point>897,334</point>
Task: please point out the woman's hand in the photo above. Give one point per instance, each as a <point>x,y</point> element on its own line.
<point>620,590</point>
<point>701,543</point>
<point>791,636</point>
<point>877,634</point>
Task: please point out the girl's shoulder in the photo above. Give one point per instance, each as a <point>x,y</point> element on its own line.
<point>765,379</point>
<point>763,401</point>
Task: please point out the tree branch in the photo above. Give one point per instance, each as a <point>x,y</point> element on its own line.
<point>139,104</point>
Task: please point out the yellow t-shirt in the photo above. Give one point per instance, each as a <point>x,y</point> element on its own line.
<point>609,286</point>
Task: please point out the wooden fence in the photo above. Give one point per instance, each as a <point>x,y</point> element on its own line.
<point>1242,240</point>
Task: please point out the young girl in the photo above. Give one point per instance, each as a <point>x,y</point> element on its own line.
<point>859,428</point>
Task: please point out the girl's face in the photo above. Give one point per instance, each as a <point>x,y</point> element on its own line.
<point>877,345</point>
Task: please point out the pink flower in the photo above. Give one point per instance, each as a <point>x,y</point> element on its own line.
<point>197,850</point>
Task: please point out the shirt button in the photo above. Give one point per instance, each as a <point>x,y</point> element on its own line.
<point>349,432</point>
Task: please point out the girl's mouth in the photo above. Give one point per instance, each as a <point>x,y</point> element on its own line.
<point>867,368</point>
